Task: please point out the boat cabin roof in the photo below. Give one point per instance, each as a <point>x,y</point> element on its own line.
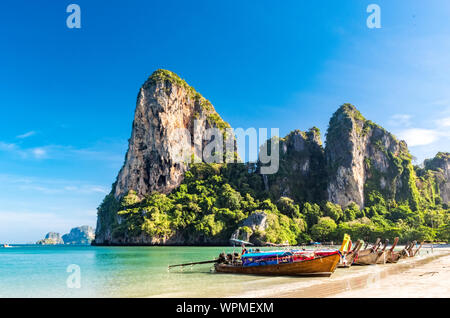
<point>261,254</point>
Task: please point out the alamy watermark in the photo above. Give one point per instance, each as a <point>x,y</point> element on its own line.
<point>374,19</point>
<point>74,279</point>
<point>73,21</point>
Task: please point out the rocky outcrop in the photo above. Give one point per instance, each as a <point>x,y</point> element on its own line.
<point>257,221</point>
<point>302,170</point>
<point>165,105</point>
<point>82,235</point>
<point>440,165</point>
<point>364,159</point>
<point>52,238</point>
<point>159,150</point>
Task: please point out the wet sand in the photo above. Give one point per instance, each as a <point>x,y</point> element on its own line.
<point>423,276</point>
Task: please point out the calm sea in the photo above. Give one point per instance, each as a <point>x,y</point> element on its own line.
<point>42,271</point>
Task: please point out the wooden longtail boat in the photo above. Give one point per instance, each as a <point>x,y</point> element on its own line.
<point>348,258</point>
<point>286,262</point>
<point>395,256</point>
<point>318,266</point>
<point>368,256</point>
<point>292,262</point>
<point>383,254</point>
<point>367,250</point>
<point>409,248</point>
<point>391,256</point>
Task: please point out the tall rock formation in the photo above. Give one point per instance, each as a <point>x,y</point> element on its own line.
<point>440,168</point>
<point>159,152</point>
<point>302,169</point>
<point>164,105</point>
<point>364,159</point>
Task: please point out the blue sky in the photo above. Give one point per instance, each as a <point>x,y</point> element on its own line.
<point>68,95</point>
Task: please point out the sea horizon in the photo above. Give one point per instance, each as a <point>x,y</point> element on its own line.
<point>44,271</point>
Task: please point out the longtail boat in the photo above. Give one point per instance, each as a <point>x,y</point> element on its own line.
<point>409,248</point>
<point>395,256</point>
<point>299,263</point>
<point>282,262</point>
<point>383,254</point>
<point>289,262</point>
<point>368,256</point>
<point>348,258</point>
<point>369,249</point>
<point>391,255</point>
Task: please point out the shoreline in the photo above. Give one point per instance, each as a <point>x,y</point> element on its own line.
<point>422,276</point>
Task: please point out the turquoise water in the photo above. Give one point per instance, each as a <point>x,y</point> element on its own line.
<point>41,271</point>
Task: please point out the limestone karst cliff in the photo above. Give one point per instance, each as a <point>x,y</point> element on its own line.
<point>164,105</point>
<point>51,238</point>
<point>82,235</point>
<point>363,157</point>
<point>434,178</point>
<point>302,168</point>
<point>157,156</point>
<point>362,182</point>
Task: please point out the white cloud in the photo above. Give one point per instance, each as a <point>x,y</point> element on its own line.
<point>443,122</point>
<point>26,135</point>
<point>419,137</point>
<point>59,152</point>
<point>52,186</point>
<point>7,147</point>
<point>400,120</point>
<point>39,153</point>
<point>99,190</point>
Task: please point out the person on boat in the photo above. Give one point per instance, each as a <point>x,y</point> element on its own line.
<point>244,250</point>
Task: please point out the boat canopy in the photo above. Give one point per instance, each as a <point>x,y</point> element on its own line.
<point>311,251</point>
<point>267,254</point>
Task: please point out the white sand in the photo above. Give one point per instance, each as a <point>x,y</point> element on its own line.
<point>427,275</point>
<point>431,280</point>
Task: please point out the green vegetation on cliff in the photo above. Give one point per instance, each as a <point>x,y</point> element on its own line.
<point>214,200</point>
<point>301,174</point>
<point>205,209</point>
<point>214,118</point>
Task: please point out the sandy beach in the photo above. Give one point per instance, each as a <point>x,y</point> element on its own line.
<point>424,276</point>
<point>429,280</point>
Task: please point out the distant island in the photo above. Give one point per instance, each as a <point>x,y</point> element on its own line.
<point>361,182</point>
<point>82,235</point>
